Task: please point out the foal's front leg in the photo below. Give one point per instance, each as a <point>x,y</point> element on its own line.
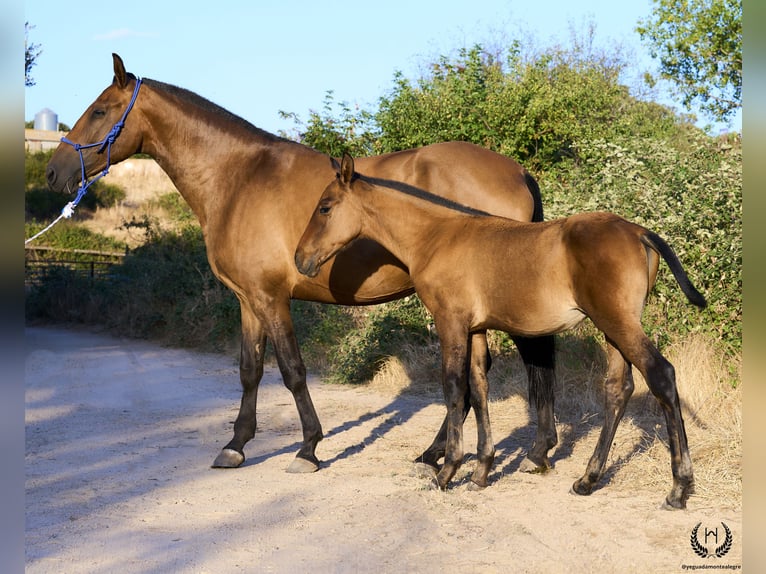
<point>479,396</point>
<point>480,362</point>
<point>455,385</point>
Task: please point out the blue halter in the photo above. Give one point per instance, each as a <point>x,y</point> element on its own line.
<point>104,143</point>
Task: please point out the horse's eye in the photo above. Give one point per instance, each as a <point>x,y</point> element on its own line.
<point>324,209</point>
<point>99,113</point>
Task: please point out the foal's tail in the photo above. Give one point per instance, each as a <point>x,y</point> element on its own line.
<point>658,244</point>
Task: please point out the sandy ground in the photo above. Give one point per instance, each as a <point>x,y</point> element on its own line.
<point>120,435</point>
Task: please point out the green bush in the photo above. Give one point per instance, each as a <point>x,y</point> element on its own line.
<point>593,146</point>
<point>383,332</point>
<point>165,289</point>
<point>689,191</point>
<point>69,234</point>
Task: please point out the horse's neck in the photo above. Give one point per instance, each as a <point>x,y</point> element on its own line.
<point>201,150</point>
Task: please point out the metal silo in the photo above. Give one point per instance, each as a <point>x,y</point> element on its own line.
<point>47,120</point>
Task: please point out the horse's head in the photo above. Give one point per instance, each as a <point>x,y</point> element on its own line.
<point>335,223</point>
<point>64,171</point>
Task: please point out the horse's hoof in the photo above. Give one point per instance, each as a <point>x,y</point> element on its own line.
<point>228,458</point>
<point>474,487</point>
<point>529,466</point>
<point>423,470</point>
<point>302,466</point>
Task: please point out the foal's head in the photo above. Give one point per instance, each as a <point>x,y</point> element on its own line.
<point>335,223</point>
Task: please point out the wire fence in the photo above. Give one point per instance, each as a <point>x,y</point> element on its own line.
<point>40,261</point>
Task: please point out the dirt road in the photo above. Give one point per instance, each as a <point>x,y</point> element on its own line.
<point>120,436</point>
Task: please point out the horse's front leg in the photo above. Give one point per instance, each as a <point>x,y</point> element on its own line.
<point>250,373</point>
<point>454,347</point>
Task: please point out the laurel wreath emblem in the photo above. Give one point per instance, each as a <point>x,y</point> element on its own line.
<point>703,552</point>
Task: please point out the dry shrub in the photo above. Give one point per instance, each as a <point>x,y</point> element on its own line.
<point>415,370</point>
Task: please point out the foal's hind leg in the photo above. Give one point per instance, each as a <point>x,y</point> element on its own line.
<point>661,378</point>
<point>538,355</point>
<point>617,390</point>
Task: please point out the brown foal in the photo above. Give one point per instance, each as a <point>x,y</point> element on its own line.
<point>476,272</point>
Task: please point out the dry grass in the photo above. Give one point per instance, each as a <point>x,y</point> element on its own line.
<point>712,409</point>
<point>144,184</point>
<point>709,385</point>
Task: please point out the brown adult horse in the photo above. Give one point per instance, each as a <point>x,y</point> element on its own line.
<point>253,194</point>
<point>526,279</point>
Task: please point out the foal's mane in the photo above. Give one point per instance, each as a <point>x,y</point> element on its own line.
<point>207,105</point>
<point>413,191</point>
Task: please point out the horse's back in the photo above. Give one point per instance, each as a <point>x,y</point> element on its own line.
<point>463,172</point>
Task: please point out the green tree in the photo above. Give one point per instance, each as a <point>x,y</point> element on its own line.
<point>533,108</point>
<point>699,46</point>
<point>337,129</point>
<point>31,52</point>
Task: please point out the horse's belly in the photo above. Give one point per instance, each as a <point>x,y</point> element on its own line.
<point>538,322</point>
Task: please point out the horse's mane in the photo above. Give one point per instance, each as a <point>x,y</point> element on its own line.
<point>421,194</point>
<point>199,101</point>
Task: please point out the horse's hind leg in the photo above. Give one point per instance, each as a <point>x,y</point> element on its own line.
<point>538,355</point>
<point>618,388</point>
<point>293,372</point>
<point>250,373</point>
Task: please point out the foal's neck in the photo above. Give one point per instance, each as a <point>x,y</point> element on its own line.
<point>411,225</point>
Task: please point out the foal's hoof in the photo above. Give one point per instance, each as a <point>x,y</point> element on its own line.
<point>423,470</point>
<point>228,458</point>
<point>668,505</point>
<point>679,494</point>
<point>302,466</point>
<point>529,466</point>
<point>580,488</point>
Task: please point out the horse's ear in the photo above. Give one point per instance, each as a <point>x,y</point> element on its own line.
<point>119,71</point>
<point>346,168</point>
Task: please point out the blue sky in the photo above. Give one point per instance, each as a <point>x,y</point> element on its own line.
<point>257,58</point>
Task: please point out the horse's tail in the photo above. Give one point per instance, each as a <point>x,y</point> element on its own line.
<point>658,244</point>
<point>534,190</point>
